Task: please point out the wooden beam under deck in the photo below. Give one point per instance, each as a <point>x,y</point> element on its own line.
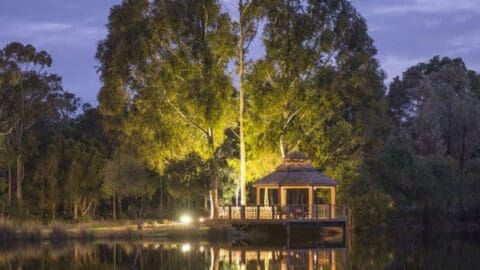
<point>323,223</point>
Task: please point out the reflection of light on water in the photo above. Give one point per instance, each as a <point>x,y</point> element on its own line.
<point>186,247</point>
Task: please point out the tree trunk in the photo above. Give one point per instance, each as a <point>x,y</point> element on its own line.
<point>10,185</point>
<point>119,206</point>
<point>20,176</point>
<point>214,201</point>
<point>205,203</point>
<point>283,151</point>
<point>75,210</point>
<point>139,215</point>
<point>53,209</point>
<point>114,208</point>
<point>241,107</point>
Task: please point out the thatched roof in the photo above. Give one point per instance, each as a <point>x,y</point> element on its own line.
<point>296,170</point>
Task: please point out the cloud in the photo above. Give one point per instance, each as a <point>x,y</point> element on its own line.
<point>395,65</point>
<point>41,27</point>
<point>465,43</point>
<point>43,33</point>
<point>427,6</point>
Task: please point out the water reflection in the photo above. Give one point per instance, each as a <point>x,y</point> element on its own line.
<point>364,252</point>
<point>269,258</point>
<point>154,255</point>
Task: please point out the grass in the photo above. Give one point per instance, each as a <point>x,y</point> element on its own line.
<point>15,230</point>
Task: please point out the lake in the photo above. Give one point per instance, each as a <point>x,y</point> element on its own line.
<point>363,252</point>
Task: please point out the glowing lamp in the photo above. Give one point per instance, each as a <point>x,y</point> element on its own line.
<point>185,219</point>
<point>186,247</point>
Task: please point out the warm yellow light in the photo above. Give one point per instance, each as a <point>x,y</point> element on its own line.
<point>201,219</point>
<point>185,219</point>
<point>186,247</point>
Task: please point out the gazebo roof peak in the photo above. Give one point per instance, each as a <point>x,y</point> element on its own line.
<point>296,157</point>
<point>296,170</point>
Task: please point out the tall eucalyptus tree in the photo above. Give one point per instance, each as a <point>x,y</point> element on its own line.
<point>164,70</point>
<point>29,95</point>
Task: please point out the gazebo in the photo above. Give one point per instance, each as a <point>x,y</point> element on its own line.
<point>295,192</point>
<point>295,182</point>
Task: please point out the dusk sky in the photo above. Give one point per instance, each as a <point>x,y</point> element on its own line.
<point>405,32</point>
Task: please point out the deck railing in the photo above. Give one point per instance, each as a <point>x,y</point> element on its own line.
<point>283,212</point>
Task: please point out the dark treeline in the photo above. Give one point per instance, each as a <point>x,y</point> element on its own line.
<point>427,172</point>
<point>186,117</point>
<point>57,161</point>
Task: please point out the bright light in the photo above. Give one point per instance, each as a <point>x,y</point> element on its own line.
<point>185,219</point>
<point>186,247</point>
<point>202,249</point>
<point>201,219</point>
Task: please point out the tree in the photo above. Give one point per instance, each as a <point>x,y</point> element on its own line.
<point>83,178</point>
<point>318,89</point>
<point>436,104</point>
<point>247,24</point>
<point>47,174</point>
<point>126,177</point>
<point>30,95</point>
<point>188,179</point>
<point>432,154</point>
<point>174,76</point>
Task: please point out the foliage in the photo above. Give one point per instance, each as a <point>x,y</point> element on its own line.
<point>174,126</point>
<point>318,89</point>
<point>30,96</point>
<point>175,77</point>
<point>427,165</point>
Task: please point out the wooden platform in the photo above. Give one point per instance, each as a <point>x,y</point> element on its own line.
<point>310,218</point>
<point>313,222</point>
<point>282,214</point>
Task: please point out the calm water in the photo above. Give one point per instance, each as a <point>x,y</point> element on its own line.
<point>373,252</point>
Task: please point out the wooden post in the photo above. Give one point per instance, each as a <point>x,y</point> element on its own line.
<point>333,191</point>
<point>273,212</point>
<point>333,260</point>
<point>242,212</point>
<point>229,212</point>
<point>310,260</point>
<point>258,211</point>
<point>310,201</point>
<point>279,195</point>
<point>257,191</point>
<point>288,236</point>
<point>310,195</point>
<point>265,197</point>
<point>283,197</point>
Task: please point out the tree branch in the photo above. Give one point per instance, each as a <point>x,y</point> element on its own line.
<point>184,116</point>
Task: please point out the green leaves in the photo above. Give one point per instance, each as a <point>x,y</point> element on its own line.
<point>319,88</point>
<point>125,176</point>
<point>176,77</point>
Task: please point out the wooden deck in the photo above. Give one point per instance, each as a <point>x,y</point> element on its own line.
<point>281,214</point>
<point>305,217</point>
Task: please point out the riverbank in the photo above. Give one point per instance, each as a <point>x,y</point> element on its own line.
<point>11,230</point>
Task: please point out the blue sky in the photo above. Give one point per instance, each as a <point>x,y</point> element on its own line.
<point>405,32</point>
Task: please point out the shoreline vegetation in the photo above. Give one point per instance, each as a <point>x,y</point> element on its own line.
<point>15,231</point>
<point>11,231</point>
